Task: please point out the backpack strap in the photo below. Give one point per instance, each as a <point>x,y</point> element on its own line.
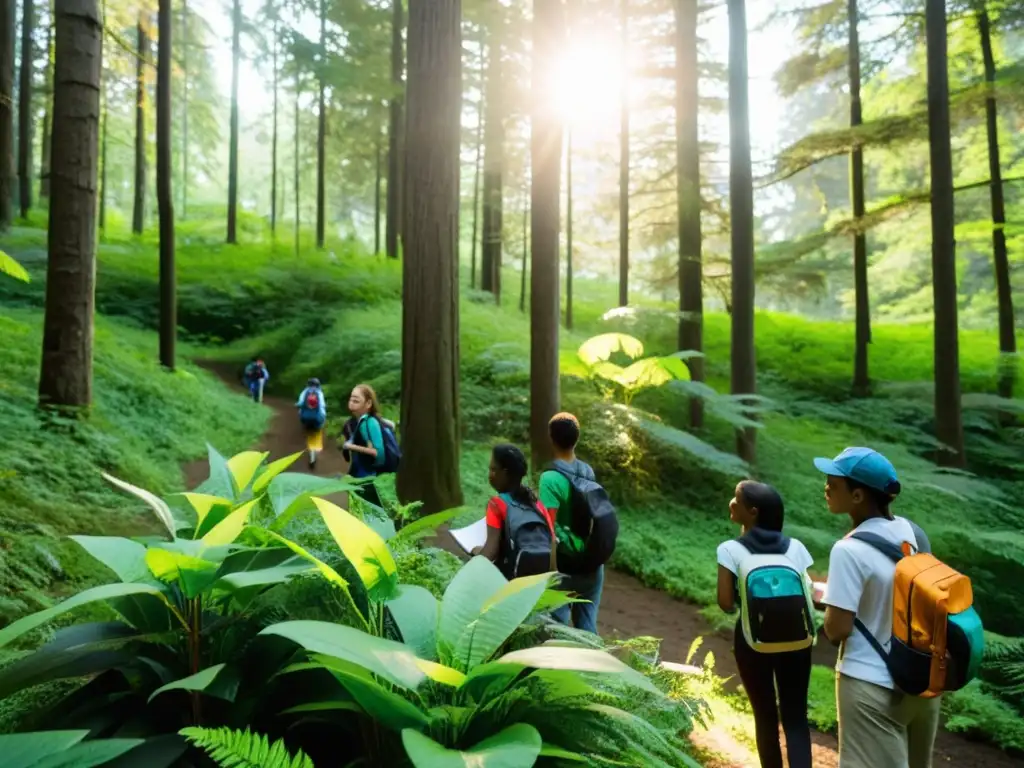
<point>893,551</point>
<point>871,640</point>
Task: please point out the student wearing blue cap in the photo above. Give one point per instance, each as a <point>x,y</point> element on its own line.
<point>879,726</point>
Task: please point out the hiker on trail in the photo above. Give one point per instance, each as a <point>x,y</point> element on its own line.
<point>765,572</point>
<point>880,726</point>
<point>366,435</point>
<point>256,377</point>
<point>313,414</point>
<point>586,525</point>
<point>520,532</point>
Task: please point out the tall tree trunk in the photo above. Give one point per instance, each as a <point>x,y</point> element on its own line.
<point>394,191</point>
<point>28,18</point>
<point>273,145</point>
<point>526,248</point>
<point>861,379</point>
<point>476,168</point>
<point>494,150</point>
<point>546,170</point>
<point>624,163</point>
<point>691,278</point>
<point>105,118</point>
<point>568,229</point>
<point>321,131</point>
<point>139,207</point>
<point>1007,333</point>
<point>376,197</point>
<point>948,419</point>
<point>7,27</point>
<point>184,108</point>
<point>44,154</point>
<point>164,198</point>
<point>741,211</point>
<point>430,306</point>
<point>236,55</point>
<point>298,217</point>
<point>65,377</point>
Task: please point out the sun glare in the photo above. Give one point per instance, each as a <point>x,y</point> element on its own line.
<point>587,82</point>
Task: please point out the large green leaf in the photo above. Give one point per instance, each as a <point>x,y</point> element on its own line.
<point>227,530</point>
<point>367,551</point>
<point>578,660</point>
<point>105,592</point>
<point>518,746</point>
<point>220,482</point>
<point>89,754</point>
<point>427,526</point>
<point>25,750</point>
<point>498,618</point>
<point>156,752</point>
<point>192,574</point>
<point>475,583</point>
<point>387,659</point>
<point>389,709</point>
<point>200,681</point>
<point>326,571</point>
<point>265,576</point>
<point>414,610</point>
<point>601,348</point>
<point>9,266</point>
<point>291,493</point>
<point>210,510</point>
<point>158,505</point>
<point>124,557</point>
<point>272,470</point>
<point>243,466</point>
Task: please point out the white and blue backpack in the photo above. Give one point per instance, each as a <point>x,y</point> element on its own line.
<point>776,603</point>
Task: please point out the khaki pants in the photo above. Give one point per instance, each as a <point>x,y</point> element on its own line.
<point>880,728</point>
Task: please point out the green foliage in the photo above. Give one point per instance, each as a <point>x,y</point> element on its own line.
<point>11,268</point>
<point>242,749</point>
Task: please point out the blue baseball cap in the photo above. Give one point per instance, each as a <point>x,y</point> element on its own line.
<point>864,466</point>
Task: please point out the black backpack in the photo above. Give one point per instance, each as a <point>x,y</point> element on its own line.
<point>593,519</point>
<point>526,549</point>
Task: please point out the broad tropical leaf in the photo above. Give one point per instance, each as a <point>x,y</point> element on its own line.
<point>427,526</point>
<point>328,573</point>
<point>601,348</point>
<point>518,746</point>
<point>414,610</point>
<point>439,673</point>
<point>124,557</point>
<point>475,583</point>
<point>291,493</point>
<point>105,592</point>
<point>228,529</point>
<point>204,503</point>
<point>387,659</point>
<point>272,470</point>
<point>243,467</point>
<point>578,660</point>
<point>193,574</point>
<point>200,681</point>
<point>242,749</point>
<point>25,750</point>
<point>387,708</point>
<point>220,482</point>
<point>9,266</point>
<point>158,505</point>
<point>367,551</point>
<point>265,576</point>
<point>88,754</point>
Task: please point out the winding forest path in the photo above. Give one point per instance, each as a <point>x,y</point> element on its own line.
<point>628,609</point>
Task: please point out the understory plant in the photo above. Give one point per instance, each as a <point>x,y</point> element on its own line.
<point>191,651</point>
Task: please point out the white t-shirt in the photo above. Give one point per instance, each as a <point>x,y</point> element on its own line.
<point>860,580</point>
<point>731,552</point>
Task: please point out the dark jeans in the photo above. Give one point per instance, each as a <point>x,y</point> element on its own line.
<point>790,675</point>
<point>589,587</point>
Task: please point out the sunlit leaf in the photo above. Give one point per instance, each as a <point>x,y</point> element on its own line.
<point>465,597</point>
<point>578,660</point>
<point>414,610</point>
<point>265,576</point>
<point>602,347</point>
<point>518,746</point>
<point>328,573</point>
<point>202,503</point>
<point>228,529</point>
<point>427,526</point>
<point>124,557</point>
<point>292,492</point>
<point>193,574</point>
<point>158,505</point>
<point>439,673</point>
<point>367,551</point>
<point>9,266</point>
<point>272,470</point>
<point>243,467</point>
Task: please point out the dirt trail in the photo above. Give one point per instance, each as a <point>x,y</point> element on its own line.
<point>628,609</point>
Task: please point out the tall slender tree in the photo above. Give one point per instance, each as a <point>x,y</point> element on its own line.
<point>430,306</point>
<point>139,205</point>
<point>184,47</point>
<point>862,313</point>
<point>546,171</point>
<point>321,130</point>
<point>1000,257</point>
<point>741,211</point>
<point>526,246</point>
<point>494,160</point>
<point>164,197</point>
<point>7,27</point>
<point>298,218</point>
<point>25,115</point>
<point>44,152</point>
<point>66,374</point>
<point>394,189</point>
<point>377,179</point>
<point>104,120</point>
<point>478,163</point>
<point>273,136</point>
<point>948,417</point>
<point>568,228</point>
<point>236,56</point>
<point>691,292</point>
<point>624,160</point>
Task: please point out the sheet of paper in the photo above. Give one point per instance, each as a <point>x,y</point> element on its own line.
<point>472,536</point>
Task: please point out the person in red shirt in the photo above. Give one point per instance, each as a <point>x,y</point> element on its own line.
<point>507,471</point>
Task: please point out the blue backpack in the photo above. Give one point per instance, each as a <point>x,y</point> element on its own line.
<point>392,453</point>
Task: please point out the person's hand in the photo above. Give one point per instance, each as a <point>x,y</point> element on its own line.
<point>348,446</point>
<point>476,551</point>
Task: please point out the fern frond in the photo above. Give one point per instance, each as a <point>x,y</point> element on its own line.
<point>242,749</point>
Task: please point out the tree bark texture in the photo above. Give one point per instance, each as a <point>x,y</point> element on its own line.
<point>164,194</point>
<point>948,418</point>
<point>104,117</point>
<point>298,216</point>
<point>394,189</point>
<point>44,154</point>
<point>862,312</point>
<point>691,278</point>
<point>624,161</point>
<point>741,211</point>
<point>379,171</point>
<point>477,168</point>
<point>236,55</point>
<point>321,132</point>
<point>430,307</point>
<point>25,116</point>
<point>526,249</point>
<point>66,375</point>
<point>546,167</point>
<point>568,229</point>
<point>184,108</point>
<point>273,144</point>
<point>494,150</point>
<point>7,31</point>
<point>139,206</point>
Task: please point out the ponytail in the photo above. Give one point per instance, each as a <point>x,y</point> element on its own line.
<point>512,460</point>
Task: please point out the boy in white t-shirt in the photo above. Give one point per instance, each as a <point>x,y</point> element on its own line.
<point>879,726</point>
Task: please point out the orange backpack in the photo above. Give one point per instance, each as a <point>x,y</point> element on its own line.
<point>937,636</point>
